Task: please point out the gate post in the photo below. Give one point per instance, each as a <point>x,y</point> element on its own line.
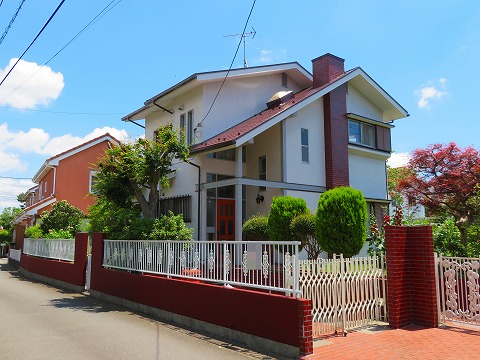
<point>411,286</point>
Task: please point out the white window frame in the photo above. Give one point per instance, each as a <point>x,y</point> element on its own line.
<point>90,182</point>
<point>304,146</point>
<point>262,171</point>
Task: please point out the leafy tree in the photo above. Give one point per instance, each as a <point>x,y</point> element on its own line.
<point>446,239</point>
<point>394,176</point>
<point>170,227</point>
<point>5,236</point>
<point>256,227</point>
<point>63,216</point>
<point>21,199</point>
<point>445,178</point>
<point>128,170</point>
<point>106,216</point>
<point>341,221</point>
<point>304,227</point>
<point>282,211</point>
<point>7,216</point>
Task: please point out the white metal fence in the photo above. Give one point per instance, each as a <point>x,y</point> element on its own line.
<point>60,249</point>
<point>263,265</point>
<point>458,289</point>
<point>345,292</point>
<point>15,254</point>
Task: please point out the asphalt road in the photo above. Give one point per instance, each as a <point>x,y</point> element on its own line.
<point>40,322</point>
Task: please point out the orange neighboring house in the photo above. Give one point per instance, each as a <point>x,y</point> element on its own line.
<point>66,176</point>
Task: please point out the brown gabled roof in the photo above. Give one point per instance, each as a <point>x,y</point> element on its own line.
<point>230,135</point>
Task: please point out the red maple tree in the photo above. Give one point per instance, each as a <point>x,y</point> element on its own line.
<point>445,178</point>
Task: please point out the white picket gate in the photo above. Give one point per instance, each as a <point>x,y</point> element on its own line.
<point>345,292</point>
<point>458,289</point>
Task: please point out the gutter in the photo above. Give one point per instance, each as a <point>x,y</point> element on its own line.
<point>199,196</point>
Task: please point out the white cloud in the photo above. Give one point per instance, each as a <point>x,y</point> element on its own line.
<point>9,189</point>
<point>398,160</point>
<point>38,86</point>
<point>270,56</point>
<point>13,144</point>
<point>432,92</point>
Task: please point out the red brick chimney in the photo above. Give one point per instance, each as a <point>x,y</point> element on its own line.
<point>326,68</point>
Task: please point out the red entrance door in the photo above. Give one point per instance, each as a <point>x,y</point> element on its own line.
<point>225,219</point>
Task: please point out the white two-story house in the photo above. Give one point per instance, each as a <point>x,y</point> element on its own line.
<point>273,130</point>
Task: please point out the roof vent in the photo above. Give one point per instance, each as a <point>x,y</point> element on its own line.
<point>279,98</point>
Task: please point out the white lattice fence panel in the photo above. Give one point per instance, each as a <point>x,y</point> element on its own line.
<point>345,293</point>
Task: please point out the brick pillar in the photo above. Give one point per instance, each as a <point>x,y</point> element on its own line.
<point>80,259</point>
<point>336,137</point>
<point>97,258</point>
<point>411,290</point>
<point>305,326</point>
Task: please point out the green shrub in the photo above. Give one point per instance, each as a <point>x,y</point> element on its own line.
<point>447,239</point>
<point>62,216</point>
<point>171,227</point>
<point>304,228</point>
<point>283,210</point>
<point>256,228</point>
<point>341,221</point>
<point>59,234</point>
<point>33,232</point>
<point>139,229</point>
<point>5,236</point>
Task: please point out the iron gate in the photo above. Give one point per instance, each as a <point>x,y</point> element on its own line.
<point>458,289</point>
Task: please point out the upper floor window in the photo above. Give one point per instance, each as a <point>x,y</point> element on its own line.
<point>304,142</point>
<point>93,180</point>
<point>262,170</point>
<point>361,133</point>
<point>186,125</point>
<point>45,187</point>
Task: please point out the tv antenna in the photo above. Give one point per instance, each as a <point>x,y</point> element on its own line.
<point>243,36</point>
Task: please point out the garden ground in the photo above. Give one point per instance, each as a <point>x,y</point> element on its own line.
<point>412,342</point>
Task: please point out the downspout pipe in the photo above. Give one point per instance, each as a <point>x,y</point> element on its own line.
<point>199,196</point>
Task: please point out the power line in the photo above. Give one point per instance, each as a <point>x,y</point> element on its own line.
<point>11,21</point>
<point>94,20</point>
<point>14,178</point>
<point>231,65</point>
<point>61,112</point>
<point>33,41</point>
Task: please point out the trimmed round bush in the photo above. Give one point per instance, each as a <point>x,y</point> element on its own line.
<point>256,228</point>
<point>341,221</point>
<point>283,210</point>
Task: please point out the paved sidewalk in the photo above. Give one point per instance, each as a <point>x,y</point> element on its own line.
<point>412,342</point>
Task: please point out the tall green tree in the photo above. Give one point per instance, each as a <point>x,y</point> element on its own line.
<point>341,221</point>
<point>63,216</point>
<point>7,216</point>
<point>138,171</point>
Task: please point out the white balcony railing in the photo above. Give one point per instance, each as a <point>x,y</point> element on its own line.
<point>60,249</point>
<point>263,265</point>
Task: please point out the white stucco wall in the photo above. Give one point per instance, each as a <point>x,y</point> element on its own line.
<point>313,172</point>
<point>368,175</point>
<point>239,99</point>
<point>358,104</point>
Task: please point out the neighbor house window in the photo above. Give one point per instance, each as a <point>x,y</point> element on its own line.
<point>93,181</point>
<point>230,154</point>
<point>179,205</point>
<point>262,170</point>
<point>45,187</point>
<point>361,133</point>
<point>304,141</point>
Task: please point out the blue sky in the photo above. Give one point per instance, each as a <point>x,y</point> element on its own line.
<point>423,53</point>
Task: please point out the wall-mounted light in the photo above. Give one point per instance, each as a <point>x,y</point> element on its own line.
<point>259,199</point>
